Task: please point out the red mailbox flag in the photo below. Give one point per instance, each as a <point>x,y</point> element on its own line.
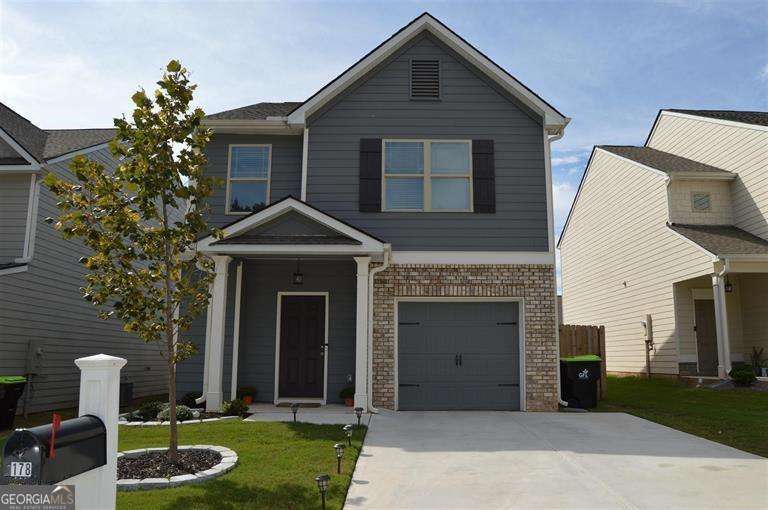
<point>55,426</point>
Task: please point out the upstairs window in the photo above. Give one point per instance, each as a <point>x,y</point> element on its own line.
<point>248,178</point>
<point>427,175</point>
<point>701,202</point>
<point>425,79</point>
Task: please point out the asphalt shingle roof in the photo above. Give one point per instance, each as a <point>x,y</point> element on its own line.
<point>756,118</point>
<point>256,111</point>
<point>45,144</point>
<point>663,161</point>
<point>723,239</point>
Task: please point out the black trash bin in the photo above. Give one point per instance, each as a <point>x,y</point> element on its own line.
<point>579,379</point>
<point>11,388</point>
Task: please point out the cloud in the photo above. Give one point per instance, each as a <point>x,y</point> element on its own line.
<point>565,160</point>
<point>563,193</point>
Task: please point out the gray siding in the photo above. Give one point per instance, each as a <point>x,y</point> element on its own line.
<point>471,108</point>
<point>45,305</point>
<point>14,199</point>
<point>285,175</point>
<point>263,279</point>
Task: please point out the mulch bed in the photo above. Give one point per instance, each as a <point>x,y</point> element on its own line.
<point>156,464</point>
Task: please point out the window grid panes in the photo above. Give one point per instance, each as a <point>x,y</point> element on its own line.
<point>248,182</point>
<point>427,175</point>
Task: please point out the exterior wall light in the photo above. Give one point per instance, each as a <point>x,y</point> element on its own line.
<point>728,285</point>
<point>339,447</point>
<point>298,276</point>
<point>322,485</point>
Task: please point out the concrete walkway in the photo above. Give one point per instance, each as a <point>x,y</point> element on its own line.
<point>480,460</point>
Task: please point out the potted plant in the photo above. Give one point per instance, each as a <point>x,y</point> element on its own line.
<point>348,394</point>
<point>246,394</point>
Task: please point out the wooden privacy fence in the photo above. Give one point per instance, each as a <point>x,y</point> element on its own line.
<point>577,340</point>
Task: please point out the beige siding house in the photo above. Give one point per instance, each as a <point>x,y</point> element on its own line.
<point>678,230</point>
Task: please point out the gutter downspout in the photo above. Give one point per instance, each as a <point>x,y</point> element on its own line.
<point>554,283</point>
<point>371,275</point>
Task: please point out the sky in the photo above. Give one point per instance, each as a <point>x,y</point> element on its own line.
<point>609,65</point>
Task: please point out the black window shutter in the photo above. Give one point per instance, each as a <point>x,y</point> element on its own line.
<point>370,175</point>
<point>483,176</point>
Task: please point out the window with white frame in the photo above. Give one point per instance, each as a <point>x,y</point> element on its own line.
<point>248,178</point>
<point>427,175</point>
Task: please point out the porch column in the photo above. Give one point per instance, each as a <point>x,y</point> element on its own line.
<point>721,322</point>
<point>361,333</point>
<point>218,304</point>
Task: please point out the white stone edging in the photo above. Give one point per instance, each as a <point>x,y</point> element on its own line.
<point>228,461</point>
<point>127,423</point>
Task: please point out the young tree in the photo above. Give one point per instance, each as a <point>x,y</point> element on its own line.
<point>142,220</point>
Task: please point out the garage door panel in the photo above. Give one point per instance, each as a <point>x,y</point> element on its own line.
<point>430,337</point>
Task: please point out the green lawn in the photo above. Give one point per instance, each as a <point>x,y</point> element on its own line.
<point>737,417</point>
<point>276,468</point>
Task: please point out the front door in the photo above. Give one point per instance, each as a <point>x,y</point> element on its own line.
<point>302,346</point>
<point>706,336</point>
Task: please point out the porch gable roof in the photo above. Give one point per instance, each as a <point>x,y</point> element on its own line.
<point>290,225</point>
<point>723,240</point>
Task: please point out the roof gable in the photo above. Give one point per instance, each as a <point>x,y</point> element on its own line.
<point>290,227</point>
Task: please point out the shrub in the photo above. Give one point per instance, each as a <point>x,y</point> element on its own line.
<point>743,376</point>
<point>188,400</point>
<point>246,391</point>
<point>234,408</point>
<point>182,413</point>
<point>148,410</point>
<point>348,392</point>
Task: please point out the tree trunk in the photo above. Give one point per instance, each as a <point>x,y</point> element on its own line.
<point>173,442</point>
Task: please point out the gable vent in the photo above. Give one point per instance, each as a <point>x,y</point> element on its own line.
<point>425,79</point>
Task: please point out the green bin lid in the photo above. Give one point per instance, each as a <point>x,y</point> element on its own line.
<point>12,379</point>
<point>583,357</point>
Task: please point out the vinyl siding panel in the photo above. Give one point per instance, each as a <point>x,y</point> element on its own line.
<point>379,106</point>
<point>14,200</point>
<point>285,178</point>
<point>742,150</point>
<point>617,234</point>
<point>44,305</point>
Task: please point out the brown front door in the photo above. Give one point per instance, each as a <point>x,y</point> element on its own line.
<point>302,346</point>
<point>706,336</point>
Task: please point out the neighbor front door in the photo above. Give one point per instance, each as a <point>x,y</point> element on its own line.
<point>706,336</point>
<point>302,347</point>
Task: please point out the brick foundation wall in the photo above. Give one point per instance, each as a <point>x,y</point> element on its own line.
<point>534,283</point>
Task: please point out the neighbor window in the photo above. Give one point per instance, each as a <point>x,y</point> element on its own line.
<point>248,179</point>
<point>701,201</point>
<point>427,175</point>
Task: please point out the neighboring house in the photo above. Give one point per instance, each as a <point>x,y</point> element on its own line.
<point>678,230</point>
<point>44,321</point>
<point>392,232</point>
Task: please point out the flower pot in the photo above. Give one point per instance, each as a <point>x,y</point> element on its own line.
<point>349,401</point>
<point>248,400</point>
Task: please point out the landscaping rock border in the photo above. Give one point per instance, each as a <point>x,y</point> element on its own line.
<point>123,421</point>
<point>228,461</point>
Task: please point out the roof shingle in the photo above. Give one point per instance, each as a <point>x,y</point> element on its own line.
<point>258,111</point>
<point>63,141</point>
<point>756,118</point>
<point>723,239</point>
<point>663,161</point>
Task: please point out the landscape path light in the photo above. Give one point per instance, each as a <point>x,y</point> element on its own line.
<point>322,485</point>
<point>359,414</point>
<point>348,430</point>
<point>339,447</point>
<point>294,409</point>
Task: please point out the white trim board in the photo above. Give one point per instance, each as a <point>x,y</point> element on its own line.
<point>70,155</point>
<point>236,329</point>
<point>15,269</point>
<point>324,399</point>
<point>520,332</point>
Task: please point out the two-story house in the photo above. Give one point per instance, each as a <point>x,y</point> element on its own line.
<point>44,321</point>
<point>393,232</point>
<point>676,229</point>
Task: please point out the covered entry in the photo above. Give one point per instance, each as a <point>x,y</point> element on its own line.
<point>458,355</point>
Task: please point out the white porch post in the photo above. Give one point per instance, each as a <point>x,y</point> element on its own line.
<point>361,333</point>
<point>213,396</point>
<point>721,322</point>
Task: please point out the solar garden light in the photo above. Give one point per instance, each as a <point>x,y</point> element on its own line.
<point>294,409</point>
<point>348,430</point>
<point>358,413</point>
<point>339,447</point>
<point>322,484</point>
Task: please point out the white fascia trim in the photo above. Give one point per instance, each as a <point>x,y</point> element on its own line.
<point>701,176</point>
<point>732,123</point>
<point>289,249</point>
<point>14,270</point>
<point>473,257</point>
<point>78,152</point>
<point>746,258</point>
<point>427,22</point>
<point>18,148</point>
<point>681,236</point>
<point>304,164</point>
<point>252,126</point>
<point>368,244</point>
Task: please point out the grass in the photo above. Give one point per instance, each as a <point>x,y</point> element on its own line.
<point>277,466</point>
<point>737,417</point>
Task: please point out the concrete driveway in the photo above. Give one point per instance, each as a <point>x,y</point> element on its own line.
<point>480,460</point>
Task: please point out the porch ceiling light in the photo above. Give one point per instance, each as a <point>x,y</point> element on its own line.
<point>294,410</point>
<point>348,430</point>
<point>322,485</point>
<point>298,276</point>
<point>359,414</point>
<point>339,447</point>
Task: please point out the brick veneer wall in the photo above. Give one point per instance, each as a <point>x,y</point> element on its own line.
<point>533,282</point>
